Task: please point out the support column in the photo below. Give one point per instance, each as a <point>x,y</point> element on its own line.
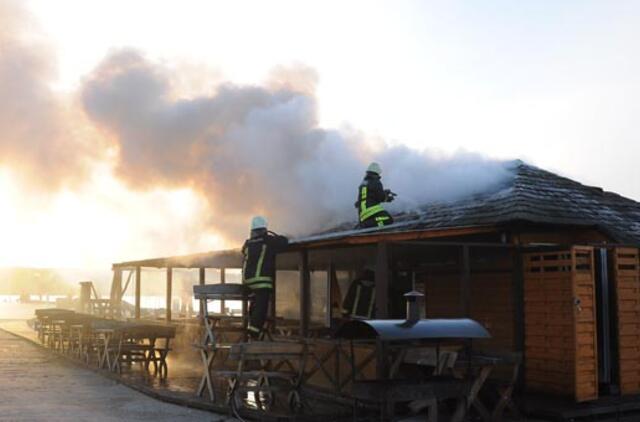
<point>169,294</point>
<point>137,294</point>
<point>518,313</point>
<point>201,281</point>
<point>382,281</point>
<point>115,298</point>
<point>465,282</point>
<point>517,276</point>
<point>223,280</point>
<point>330,270</point>
<point>85,297</point>
<point>305,293</point>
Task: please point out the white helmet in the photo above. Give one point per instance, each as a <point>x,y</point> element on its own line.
<point>258,222</point>
<point>374,168</point>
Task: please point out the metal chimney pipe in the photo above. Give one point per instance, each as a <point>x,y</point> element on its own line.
<point>413,308</point>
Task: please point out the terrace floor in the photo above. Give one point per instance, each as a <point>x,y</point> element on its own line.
<point>38,385</point>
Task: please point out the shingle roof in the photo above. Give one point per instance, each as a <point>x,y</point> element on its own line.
<point>531,195</point>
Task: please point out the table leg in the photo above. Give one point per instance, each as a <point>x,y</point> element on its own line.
<point>465,403</point>
<point>207,362</point>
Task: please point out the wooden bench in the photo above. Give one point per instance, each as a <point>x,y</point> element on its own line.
<point>261,364</point>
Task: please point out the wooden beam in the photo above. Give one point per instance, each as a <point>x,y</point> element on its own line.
<point>137,294</point>
<point>382,281</point>
<point>465,282</point>
<point>305,293</point>
<point>126,285</point>
<point>169,294</point>
<point>376,237</point>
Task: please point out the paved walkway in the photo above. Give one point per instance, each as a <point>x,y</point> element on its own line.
<point>36,385</point>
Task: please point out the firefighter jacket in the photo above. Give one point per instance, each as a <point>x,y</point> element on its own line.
<point>259,263</point>
<point>370,196</point>
<point>360,301</point>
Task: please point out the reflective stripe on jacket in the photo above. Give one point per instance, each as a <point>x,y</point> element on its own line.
<point>370,196</point>
<point>259,267</point>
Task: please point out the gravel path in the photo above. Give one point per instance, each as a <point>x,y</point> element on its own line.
<point>36,385</point>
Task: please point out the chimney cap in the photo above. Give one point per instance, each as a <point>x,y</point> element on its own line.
<point>413,294</point>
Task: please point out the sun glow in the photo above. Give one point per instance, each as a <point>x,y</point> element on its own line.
<point>99,224</point>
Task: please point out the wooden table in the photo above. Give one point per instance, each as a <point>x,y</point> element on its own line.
<point>45,323</point>
<point>135,342</point>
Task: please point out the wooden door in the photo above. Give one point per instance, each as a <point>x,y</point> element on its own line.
<point>626,273</point>
<point>560,323</point>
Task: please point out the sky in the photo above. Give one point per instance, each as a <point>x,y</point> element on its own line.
<point>553,83</point>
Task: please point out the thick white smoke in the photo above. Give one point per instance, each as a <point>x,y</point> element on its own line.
<point>259,149</point>
<point>38,140</point>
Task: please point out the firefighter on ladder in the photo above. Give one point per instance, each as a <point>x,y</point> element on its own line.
<point>360,301</point>
<point>371,195</point>
<point>259,269</point>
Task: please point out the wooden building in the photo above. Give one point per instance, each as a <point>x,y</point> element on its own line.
<point>549,266</point>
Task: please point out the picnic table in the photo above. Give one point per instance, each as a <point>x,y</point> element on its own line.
<point>394,341</point>
<point>122,343</point>
<point>455,375</point>
<point>266,368</point>
<point>46,324</point>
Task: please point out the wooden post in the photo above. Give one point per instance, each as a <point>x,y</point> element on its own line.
<point>223,280</point>
<point>465,282</point>
<point>382,281</point>
<point>305,293</point>
<point>201,281</point>
<point>272,302</point>
<point>330,270</point>
<point>137,294</point>
<point>85,297</point>
<point>169,285</point>
<point>518,312</point>
<point>115,298</point>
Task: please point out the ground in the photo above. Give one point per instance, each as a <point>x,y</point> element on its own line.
<point>37,385</point>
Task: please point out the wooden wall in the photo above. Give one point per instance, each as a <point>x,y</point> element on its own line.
<point>491,304</point>
<point>626,273</point>
<point>560,323</point>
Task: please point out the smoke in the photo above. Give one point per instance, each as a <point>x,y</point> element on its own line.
<point>259,149</point>
<point>36,140</point>
<point>245,149</point>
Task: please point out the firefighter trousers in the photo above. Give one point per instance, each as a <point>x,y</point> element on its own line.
<point>258,310</point>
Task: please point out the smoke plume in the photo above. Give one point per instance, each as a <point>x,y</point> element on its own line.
<point>245,149</point>
<point>259,149</point>
<point>36,139</point>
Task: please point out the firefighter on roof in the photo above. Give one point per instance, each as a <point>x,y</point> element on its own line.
<point>259,270</point>
<point>371,195</point>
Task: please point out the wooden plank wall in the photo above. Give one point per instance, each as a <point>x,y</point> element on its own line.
<point>626,272</point>
<point>560,323</point>
<point>491,304</point>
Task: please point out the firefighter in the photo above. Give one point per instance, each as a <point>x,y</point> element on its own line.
<point>371,195</point>
<point>259,269</point>
<point>360,301</point>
